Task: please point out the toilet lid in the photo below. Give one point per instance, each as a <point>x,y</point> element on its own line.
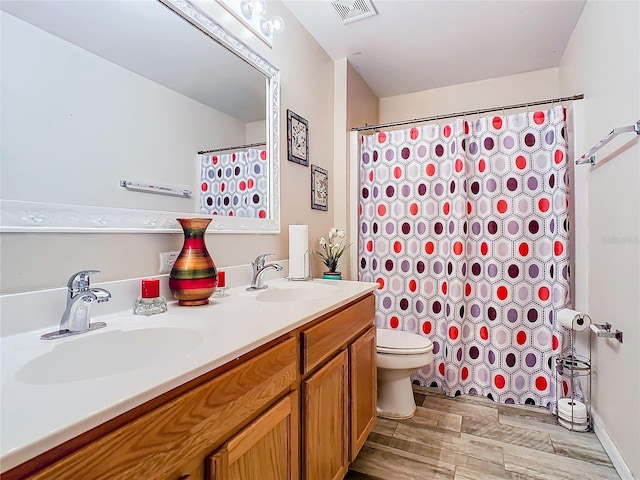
<point>401,343</point>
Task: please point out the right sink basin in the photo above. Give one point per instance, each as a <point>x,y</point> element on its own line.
<point>297,292</point>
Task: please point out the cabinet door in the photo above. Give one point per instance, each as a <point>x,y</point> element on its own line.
<point>324,420</point>
<point>362,390</point>
<point>267,449</point>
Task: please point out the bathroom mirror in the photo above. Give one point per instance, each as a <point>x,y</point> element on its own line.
<point>106,106</point>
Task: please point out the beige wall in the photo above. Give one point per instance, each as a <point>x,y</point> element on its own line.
<point>339,185</point>
<point>362,107</point>
<point>602,60</point>
<point>38,261</point>
<point>513,89</point>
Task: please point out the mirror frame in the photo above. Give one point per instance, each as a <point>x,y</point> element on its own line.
<point>37,217</point>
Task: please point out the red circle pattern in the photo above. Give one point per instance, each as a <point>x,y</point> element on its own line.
<point>235,184</point>
<point>465,229</point>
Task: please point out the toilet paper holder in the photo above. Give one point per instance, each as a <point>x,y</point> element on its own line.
<point>604,330</point>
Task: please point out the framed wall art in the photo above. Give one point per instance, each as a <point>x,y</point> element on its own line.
<point>319,188</point>
<point>297,138</point>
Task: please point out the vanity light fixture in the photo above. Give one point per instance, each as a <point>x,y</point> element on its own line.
<point>252,13</point>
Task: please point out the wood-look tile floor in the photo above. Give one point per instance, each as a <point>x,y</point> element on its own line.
<point>474,438</point>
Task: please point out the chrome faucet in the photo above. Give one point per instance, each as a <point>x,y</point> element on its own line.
<point>80,298</point>
<point>257,267</point>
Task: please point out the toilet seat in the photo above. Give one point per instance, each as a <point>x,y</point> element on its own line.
<point>398,342</point>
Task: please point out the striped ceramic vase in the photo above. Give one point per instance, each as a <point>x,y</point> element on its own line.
<point>194,277</point>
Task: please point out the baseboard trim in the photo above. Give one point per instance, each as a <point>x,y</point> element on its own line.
<point>609,447</point>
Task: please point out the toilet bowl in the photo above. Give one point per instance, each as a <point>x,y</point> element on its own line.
<point>399,354</point>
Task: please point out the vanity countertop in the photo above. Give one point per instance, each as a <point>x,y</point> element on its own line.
<point>52,391</point>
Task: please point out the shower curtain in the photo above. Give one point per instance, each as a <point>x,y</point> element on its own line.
<point>465,228</point>
<point>235,183</point>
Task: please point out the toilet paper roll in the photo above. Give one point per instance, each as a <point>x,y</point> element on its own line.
<point>572,410</point>
<point>572,320</point>
<point>576,427</point>
<point>298,247</point>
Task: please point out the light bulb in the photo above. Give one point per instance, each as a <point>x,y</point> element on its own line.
<point>275,24</point>
<point>246,7</point>
<point>260,6</point>
<point>249,7</point>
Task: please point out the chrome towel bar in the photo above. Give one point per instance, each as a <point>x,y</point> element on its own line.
<point>590,156</point>
<point>158,189</point>
<point>604,330</point>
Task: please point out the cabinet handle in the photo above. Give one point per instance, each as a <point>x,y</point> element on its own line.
<point>184,477</point>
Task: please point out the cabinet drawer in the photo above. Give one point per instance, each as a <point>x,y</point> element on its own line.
<point>327,337</point>
<point>157,445</point>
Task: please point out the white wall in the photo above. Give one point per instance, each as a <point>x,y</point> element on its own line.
<point>38,261</point>
<point>602,60</point>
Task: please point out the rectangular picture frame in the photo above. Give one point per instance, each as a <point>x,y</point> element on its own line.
<point>297,139</point>
<point>319,188</point>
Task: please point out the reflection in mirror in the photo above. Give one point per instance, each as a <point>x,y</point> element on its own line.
<point>235,182</point>
<point>95,93</point>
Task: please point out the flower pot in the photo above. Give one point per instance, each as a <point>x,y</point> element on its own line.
<point>194,277</point>
<point>332,275</point>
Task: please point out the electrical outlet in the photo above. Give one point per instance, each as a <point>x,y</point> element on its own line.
<point>166,261</point>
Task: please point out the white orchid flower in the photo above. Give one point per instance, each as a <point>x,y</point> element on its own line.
<point>332,249</point>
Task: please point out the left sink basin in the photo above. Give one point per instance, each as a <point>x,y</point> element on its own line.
<point>106,353</point>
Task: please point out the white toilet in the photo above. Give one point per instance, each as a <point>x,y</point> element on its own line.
<point>399,355</point>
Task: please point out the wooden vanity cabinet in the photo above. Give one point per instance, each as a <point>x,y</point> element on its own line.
<point>338,364</point>
<point>300,406</point>
<point>173,439</point>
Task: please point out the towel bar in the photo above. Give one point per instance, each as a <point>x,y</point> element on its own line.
<point>604,330</point>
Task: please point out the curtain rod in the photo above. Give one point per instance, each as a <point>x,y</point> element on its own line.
<point>468,112</point>
<point>237,147</point>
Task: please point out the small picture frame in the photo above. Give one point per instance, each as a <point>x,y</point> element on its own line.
<point>319,188</point>
<point>297,138</point>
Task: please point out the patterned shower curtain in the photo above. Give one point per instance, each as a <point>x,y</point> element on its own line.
<point>465,228</point>
<point>235,184</point>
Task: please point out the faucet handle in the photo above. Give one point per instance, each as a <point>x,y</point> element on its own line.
<point>80,281</point>
<point>260,259</point>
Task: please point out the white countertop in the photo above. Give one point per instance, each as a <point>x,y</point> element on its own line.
<point>40,410</point>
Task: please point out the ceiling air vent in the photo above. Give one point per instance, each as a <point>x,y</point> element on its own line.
<point>352,10</point>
